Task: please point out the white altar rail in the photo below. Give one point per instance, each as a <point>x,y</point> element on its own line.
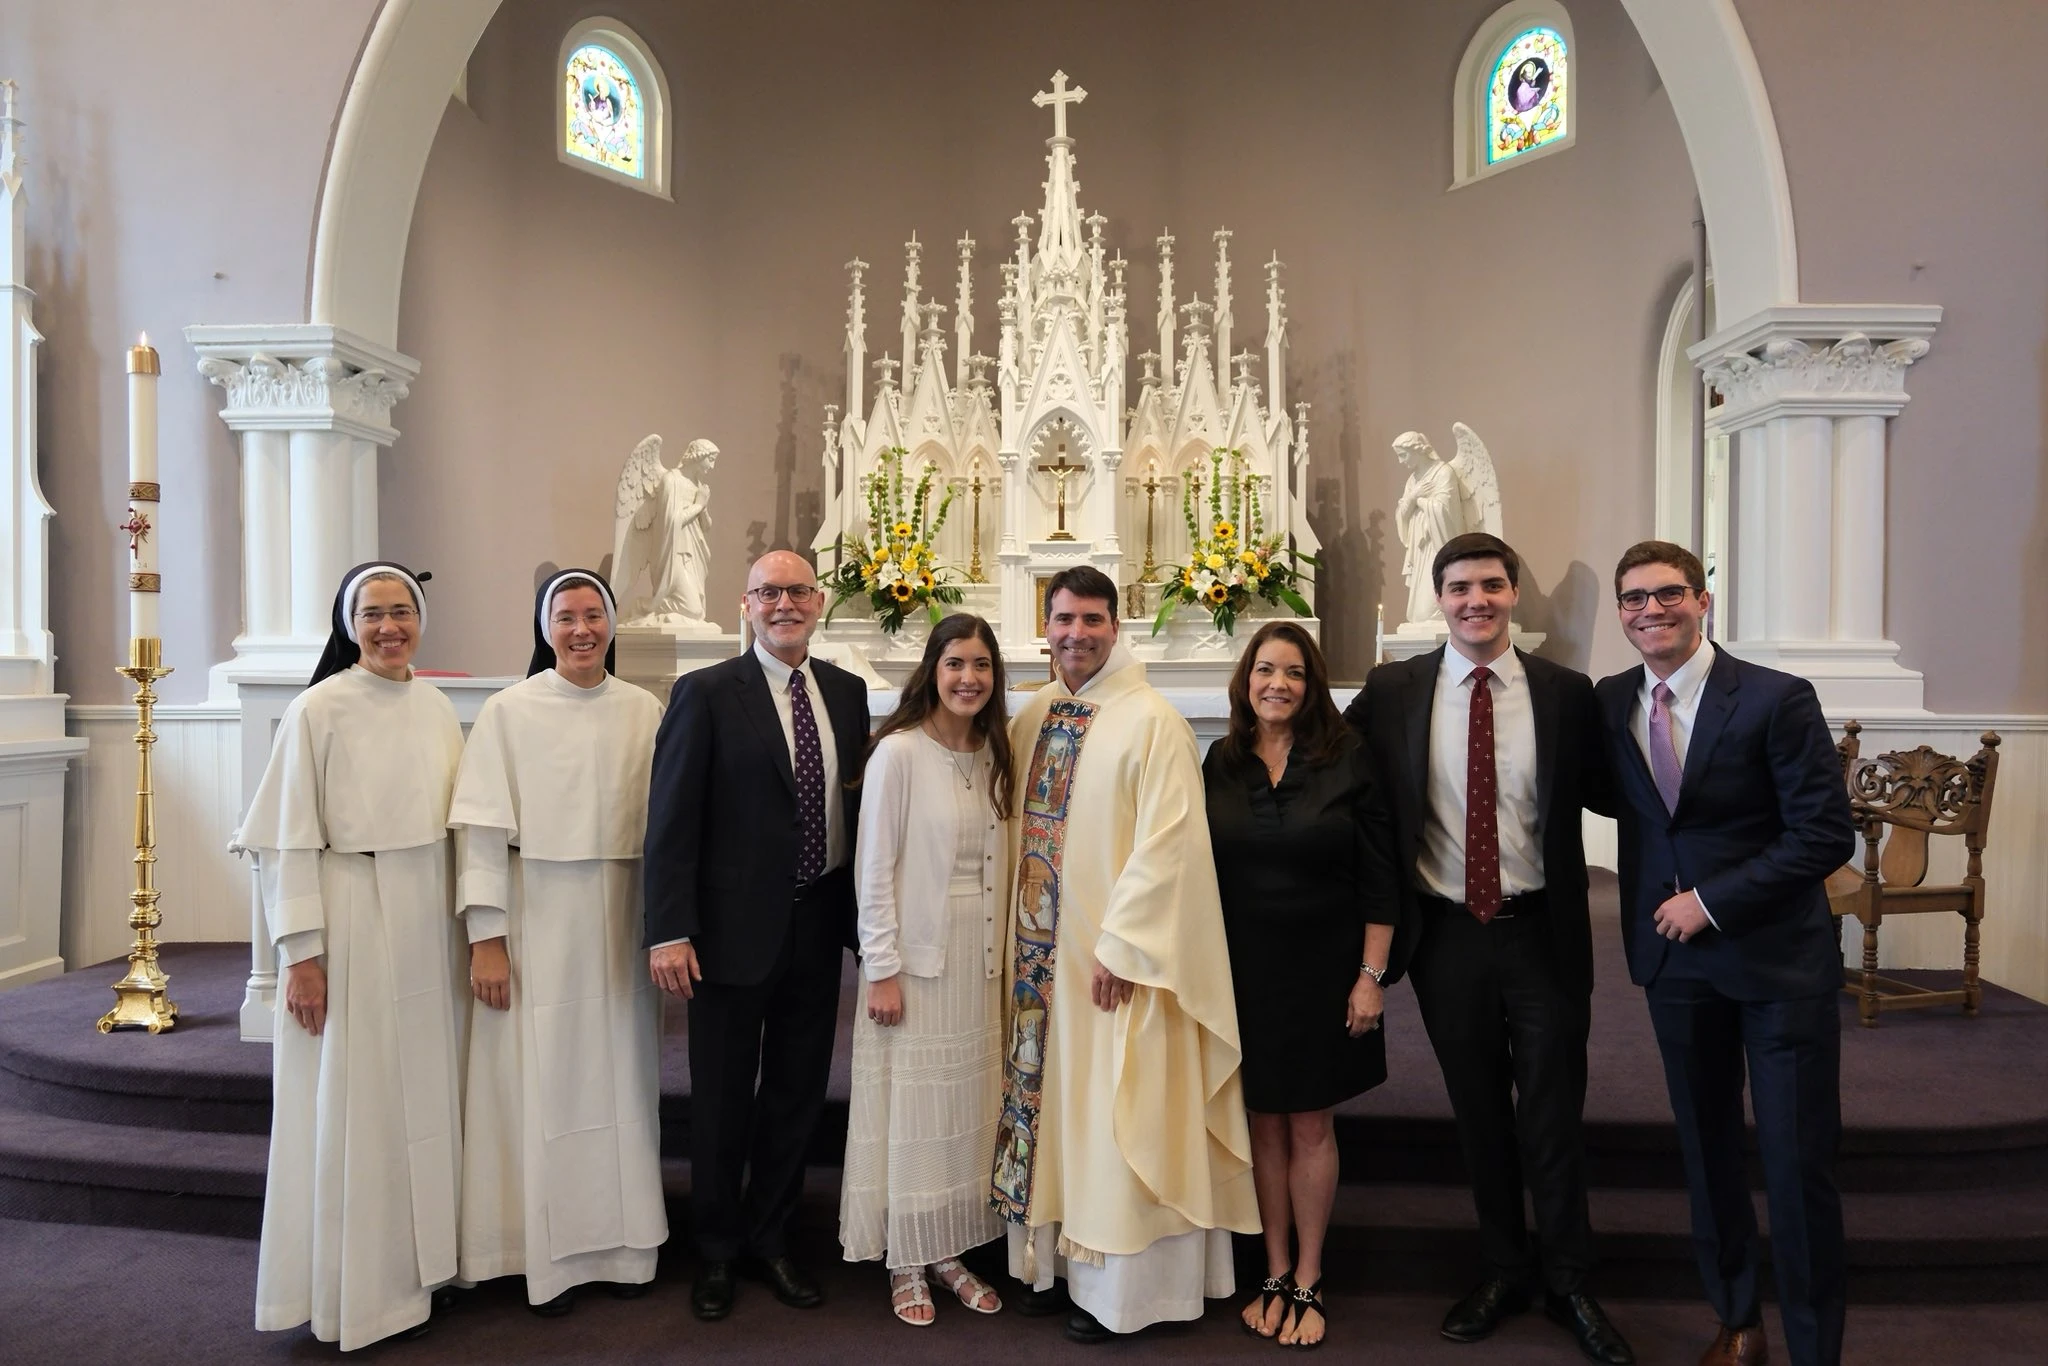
<point>200,761</point>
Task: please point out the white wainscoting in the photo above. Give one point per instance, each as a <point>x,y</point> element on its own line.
<point>206,891</point>
<point>198,779</point>
<point>2014,950</point>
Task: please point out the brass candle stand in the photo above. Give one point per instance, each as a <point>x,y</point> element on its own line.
<point>975,573</point>
<point>140,999</point>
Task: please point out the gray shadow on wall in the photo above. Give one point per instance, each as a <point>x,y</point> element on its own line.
<point>799,508</point>
<point>1351,578</point>
<point>1567,614</point>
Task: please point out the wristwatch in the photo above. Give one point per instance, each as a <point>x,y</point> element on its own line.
<point>1378,975</point>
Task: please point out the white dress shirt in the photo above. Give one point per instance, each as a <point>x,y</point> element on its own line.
<point>1688,682</point>
<point>777,674</point>
<point>1441,863</point>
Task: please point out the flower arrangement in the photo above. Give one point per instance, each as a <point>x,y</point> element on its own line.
<point>1236,562</point>
<point>895,566</point>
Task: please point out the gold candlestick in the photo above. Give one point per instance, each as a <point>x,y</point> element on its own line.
<point>974,574</point>
<point>1151,487</point>
<point>140,999</point>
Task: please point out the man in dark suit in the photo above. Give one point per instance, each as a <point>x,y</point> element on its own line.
<point>1491,754</point>
<point>1732,811</point>
<point>750,837</point>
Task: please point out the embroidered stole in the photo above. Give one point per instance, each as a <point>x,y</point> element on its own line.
<point>1049,784</point>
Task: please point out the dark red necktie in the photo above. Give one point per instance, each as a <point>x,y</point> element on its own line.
<point>1482,826</point>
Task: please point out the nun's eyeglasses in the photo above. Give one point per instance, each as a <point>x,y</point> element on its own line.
<point>799,593</point>
<point>377,616</point>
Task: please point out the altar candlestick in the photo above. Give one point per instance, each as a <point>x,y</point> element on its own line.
<point>144,492</point>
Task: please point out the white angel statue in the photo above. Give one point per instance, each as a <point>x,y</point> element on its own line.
<point>1441,499</point>
<point>661,522</point>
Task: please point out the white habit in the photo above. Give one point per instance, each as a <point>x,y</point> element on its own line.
<point>349,829</point>
<point>561,1155</point>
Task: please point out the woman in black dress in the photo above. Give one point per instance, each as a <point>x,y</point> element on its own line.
<point>1303,859</point>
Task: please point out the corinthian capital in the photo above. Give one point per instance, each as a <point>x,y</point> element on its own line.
<point>304,378</point>
<point>1814,361</point>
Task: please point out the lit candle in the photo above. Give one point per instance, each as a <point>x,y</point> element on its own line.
<point>144,583</point>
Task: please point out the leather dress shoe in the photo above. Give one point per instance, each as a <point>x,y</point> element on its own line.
<point>627,1290</point>
<point>1038,1304</point>
<point>787,1282</point>
<point>1582,1315</point>
<point>556,1307</point>
<point>711,1292</point>
<point>1084,1327</point>
<point>1479,1313</point>
<point>1738,1347</point>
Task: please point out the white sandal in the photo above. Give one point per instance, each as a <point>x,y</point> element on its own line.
<point>967,1287</point>
<point>908,1290</point>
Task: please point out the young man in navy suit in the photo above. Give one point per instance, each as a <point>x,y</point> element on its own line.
<point>1732,810</point>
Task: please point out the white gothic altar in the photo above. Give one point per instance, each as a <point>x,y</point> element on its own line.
<point>1053,463</point>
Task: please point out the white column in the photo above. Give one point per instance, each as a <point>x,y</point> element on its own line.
<point>266,535</point>
<point>312,406</point>
<point>1858,606</point>
<point>1806,391</point>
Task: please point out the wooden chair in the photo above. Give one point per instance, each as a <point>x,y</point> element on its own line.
<point>1899,801</point>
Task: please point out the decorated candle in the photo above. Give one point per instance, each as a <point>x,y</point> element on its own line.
<point>144,494</point>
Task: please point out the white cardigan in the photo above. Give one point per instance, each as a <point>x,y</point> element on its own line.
<point>903,859</point>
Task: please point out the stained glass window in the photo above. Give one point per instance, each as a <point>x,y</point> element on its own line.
<point>1525,101</point>
<point>606,115</point>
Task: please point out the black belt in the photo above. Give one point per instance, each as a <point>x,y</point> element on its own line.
<point>1522,903</point>
<point>819,883</point>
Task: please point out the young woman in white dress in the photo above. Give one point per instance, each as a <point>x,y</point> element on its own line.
<point>931,868</point>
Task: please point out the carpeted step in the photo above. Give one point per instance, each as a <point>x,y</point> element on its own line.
<point>76,1171</point>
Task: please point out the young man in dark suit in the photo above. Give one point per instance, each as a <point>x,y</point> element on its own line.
<point>1490,755</point>
<point>750,837</point>
<point>1732,811</point>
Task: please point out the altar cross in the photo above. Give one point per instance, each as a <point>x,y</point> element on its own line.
<point>1061,470</point>
<point>1059,98</point>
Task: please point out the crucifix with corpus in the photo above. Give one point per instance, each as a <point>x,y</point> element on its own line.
<point>1061,470</point>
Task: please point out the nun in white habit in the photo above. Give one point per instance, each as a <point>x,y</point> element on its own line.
<point>349,831</point>
<point>562,1145</point>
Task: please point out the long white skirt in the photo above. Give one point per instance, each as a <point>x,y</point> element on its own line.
<point>1166,1283</point>
<point>359,1210</point>
<point>926,1097</point>
<point>562,1137</point>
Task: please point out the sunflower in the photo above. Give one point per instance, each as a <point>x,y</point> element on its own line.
<point>902,531</point>
<point>924,579</point>
<point>1218,594</point>
<point>901,591</point>
<point>1225,530</point>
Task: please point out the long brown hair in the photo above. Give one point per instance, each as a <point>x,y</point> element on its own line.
<point>1319,730</point>
<point>920,698</point>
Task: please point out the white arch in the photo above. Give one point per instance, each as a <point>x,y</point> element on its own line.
<point>417,48</point>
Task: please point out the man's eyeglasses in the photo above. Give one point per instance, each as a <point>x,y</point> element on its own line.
<point>1670,595</point>
<point>799,593</point>
<point>377,616</point>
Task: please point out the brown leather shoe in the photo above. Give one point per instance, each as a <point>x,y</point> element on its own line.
<point>1738,1347</point>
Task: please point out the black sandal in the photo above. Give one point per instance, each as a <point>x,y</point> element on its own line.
<point>1271,1289</point>
<point>1304,1299</point>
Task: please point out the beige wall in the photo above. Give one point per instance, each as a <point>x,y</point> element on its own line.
<point>1905,128</point>
<point>559,318</point>
<point>174,154</point>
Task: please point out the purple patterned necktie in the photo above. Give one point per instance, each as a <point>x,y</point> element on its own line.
<point>1664,748</point>
<point>810,779</point>
<point>1482,814</point>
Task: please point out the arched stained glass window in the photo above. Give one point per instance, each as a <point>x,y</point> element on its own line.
<point>1526,105</point>
<point>606,117</point>
<point>1517,95</point>
<point>613,115</point>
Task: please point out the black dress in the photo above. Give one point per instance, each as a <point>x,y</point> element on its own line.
<point>1303,866</point>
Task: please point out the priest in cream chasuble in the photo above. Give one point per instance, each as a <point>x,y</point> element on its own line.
<point>562,1135</point>
<point>349,830</point>
<point>1123,1160</point>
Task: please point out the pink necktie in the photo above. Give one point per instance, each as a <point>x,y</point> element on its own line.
<point>1664,748</point>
